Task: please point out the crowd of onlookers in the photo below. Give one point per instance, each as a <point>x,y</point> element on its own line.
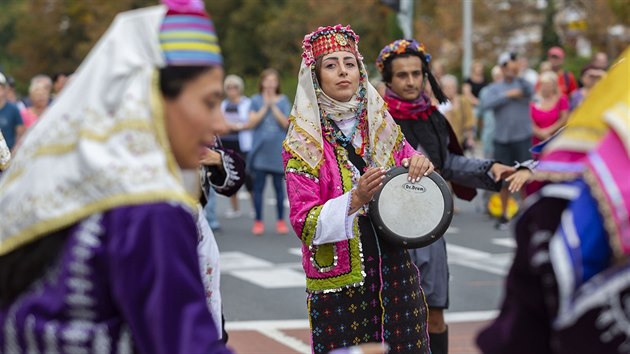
<point>17,114</point>
<point>500,117</point>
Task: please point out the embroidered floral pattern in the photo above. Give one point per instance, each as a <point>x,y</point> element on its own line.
<point>327,40</point>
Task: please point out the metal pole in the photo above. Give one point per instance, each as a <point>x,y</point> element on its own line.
<point>468,50</point>
<point>405,18</point>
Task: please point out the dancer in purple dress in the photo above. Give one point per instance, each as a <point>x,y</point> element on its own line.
<point>98,244</point>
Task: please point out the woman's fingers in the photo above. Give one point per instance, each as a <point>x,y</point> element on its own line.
<point>373,174</point>
<point>430,169</point>
<point>414,169</point>
<point>419,166</point>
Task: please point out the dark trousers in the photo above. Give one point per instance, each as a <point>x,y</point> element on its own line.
<point>260,179</point>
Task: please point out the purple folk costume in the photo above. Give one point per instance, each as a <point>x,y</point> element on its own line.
<point>568,289</point>
<point>360,288</point>
<point>126,278</point>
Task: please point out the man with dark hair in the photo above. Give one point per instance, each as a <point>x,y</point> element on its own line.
<point>404,66</point>
<point>59,81</point>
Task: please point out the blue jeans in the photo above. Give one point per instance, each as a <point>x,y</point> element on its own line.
<point>209,210</point>
<point>260,179</point>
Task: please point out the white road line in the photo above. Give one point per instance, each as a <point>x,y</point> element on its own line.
<point>505,241</point>
<point>485,261</point>
<point>274,324</point>
<point>238,260</point>
<point>295,251</point>
<point>450,317</point>
<point>272,278</point>
<point>287,340</point>
<point>470,316</point>
<point>452,230</point>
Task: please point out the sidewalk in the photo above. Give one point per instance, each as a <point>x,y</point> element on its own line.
<point>292,337</point>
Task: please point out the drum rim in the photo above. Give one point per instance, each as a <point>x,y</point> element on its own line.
<point>387,234</point>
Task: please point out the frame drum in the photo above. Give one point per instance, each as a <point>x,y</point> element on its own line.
<point>411,215</point>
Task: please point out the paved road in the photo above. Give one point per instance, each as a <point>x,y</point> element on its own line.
<point>263,283</point>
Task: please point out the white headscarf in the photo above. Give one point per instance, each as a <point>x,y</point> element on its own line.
<point>100,145</point>
<point>305,139</point>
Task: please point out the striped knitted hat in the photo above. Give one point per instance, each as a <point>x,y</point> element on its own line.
<point>187,35</point>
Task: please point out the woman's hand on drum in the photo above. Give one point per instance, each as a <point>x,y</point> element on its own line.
<point>418,165</point>
<point>370,183</point>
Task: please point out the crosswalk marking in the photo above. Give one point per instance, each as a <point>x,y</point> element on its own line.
<point>287,340</point>
<point>485,261</point>
<point>272,278</point>
<point>450,317</point>
<point>505,241</point>
<point>270,275</point>
<point>238,260</point>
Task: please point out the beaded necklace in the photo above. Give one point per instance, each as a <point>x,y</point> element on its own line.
<point>334,134</point>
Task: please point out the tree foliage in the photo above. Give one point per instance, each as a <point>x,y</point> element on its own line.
<point>46,36</point>
<point>550,37</point>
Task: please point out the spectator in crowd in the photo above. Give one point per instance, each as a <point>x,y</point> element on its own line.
<point>11,124</point>
<point>545,65</point>
<point>487,116</point>
<point>268,118</point>
<point>509,100</point>
<point>566,80</point>
<point>600,60</point>
<point>235,108</point>
<point>11,94</point>
<point>549,110</point>
<point>589,76</point>
<point>437,67</point>
<point>472,85</point>
<point>458,110</point>
<point>526,72</point>
<point>59,81</point>
<point>37,80</point>
<point>39,96</point>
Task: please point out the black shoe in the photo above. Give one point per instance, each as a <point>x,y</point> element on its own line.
<point>503,224</point>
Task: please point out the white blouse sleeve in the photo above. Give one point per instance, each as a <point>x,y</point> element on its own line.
<point>334,224</point>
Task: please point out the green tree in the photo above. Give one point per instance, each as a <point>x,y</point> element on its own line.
<point>549,36</point>
<point>621,10</point>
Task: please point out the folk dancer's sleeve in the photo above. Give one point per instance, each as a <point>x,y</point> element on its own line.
<point>156,282</point>
<point>315,221</point>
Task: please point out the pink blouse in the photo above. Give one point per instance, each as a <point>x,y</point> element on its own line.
<point>546,118</point>
<point>28,117</point>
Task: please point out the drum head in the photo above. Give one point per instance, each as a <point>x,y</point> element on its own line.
<point>412,215</point>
